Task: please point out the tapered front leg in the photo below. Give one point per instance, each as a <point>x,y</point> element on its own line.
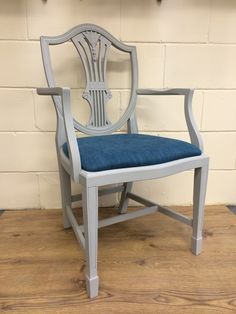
<point>90,216</point>
<point>200,184</point>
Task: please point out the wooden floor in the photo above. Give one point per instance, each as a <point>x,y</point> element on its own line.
<point>145,266</point>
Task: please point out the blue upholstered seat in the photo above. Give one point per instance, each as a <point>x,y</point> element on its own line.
<point>130,150</point>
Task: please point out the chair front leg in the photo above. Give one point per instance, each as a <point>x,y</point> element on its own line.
<point>65,184</point>
<point>90,217</point>
<point>199,193</point>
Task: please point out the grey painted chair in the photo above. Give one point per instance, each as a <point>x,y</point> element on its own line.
<point>103,158</point>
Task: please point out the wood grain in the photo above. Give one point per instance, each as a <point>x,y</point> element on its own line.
<point>145,265</point>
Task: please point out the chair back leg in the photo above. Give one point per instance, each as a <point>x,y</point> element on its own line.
<point>65,184</point>
<point>199,193</point>
<point>90,217</point>
<point>124,201</point>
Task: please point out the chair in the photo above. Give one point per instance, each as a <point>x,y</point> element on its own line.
<point>104,158</point>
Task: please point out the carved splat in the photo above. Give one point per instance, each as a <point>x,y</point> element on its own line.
<point>93,50</point>
<point>93,43</point>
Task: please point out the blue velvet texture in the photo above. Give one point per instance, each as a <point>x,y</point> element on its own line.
<point>116,151</point>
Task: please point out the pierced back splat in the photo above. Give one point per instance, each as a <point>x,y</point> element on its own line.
<point>92,43</point>
<point>93,50</point>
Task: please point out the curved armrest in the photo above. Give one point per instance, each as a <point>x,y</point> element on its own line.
<point>194,133</point>
<point>164,91</point>
<point>73,149</point>
<point>50,91</point>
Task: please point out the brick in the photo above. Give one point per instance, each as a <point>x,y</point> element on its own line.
<point>19,190</point>
<point>21,65</point>
<point>164,113</point>
<point>151,65</point>
<point>219,113</point>
<point>200,66</point>
<point>168,21</point>
<point>49,190</point>
<point>58,16</point>
<point>223,22</point>
<point>221,148</point>
<point>17,110</point>
<point>46,115</point>
<point>28,152</point>
<point>13,19</point>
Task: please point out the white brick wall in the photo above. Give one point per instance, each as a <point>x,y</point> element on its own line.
<point>181,43</point>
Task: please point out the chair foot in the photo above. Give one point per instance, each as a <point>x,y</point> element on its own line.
<point>200,183</point>
<point>92,286</point>
<point>196,246</point>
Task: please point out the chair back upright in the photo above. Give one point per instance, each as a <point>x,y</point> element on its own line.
<point>93,43</point>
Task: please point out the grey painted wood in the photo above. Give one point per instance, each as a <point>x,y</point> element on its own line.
<point>127,216</point>
<point>95,62</point>
<point>65,184</point>
<point>140,199</point>
<point>199,193</point>
<point>89,34</point>
<point>90,215</point>
<point>124,200</point>
<point>77,230</point>
<point>152,208</point>
<point>142,173</point>
<point>177,216</point>
<point>93,44</point>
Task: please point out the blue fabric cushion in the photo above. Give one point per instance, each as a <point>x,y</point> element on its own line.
<point>130,150</point>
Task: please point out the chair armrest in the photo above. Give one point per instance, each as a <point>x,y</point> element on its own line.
<point>50,91</point>
<point>67,124</point>
<point>194,133</point>
<point>165,91</point>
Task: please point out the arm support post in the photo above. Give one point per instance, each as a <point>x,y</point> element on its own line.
<point>194,133</point>
<point>73,149</point>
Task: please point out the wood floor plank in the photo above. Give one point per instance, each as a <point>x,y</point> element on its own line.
<point>145,265</point>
